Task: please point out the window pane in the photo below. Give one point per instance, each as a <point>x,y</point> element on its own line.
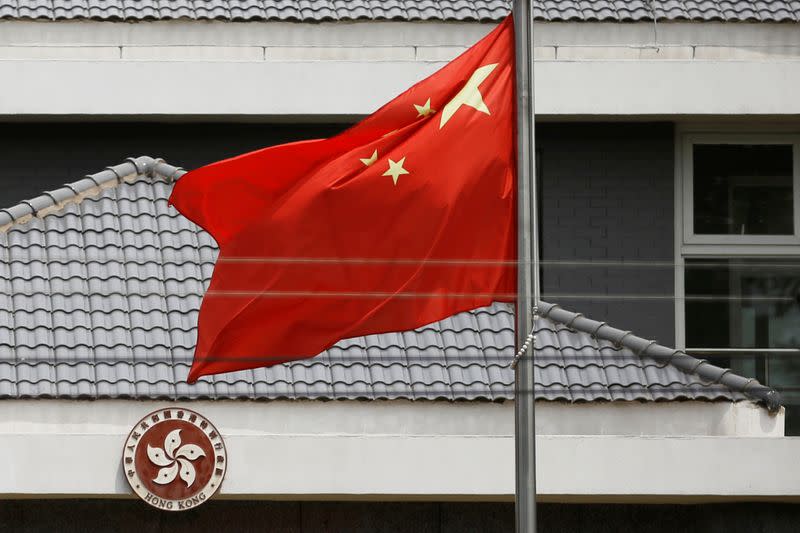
<point>743,189</point>
<point>749,303</point>
<point>743,303</point>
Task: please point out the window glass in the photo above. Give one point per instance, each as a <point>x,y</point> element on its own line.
<point>749,303</point>
<point>743,303</point>
<point>743,189</point>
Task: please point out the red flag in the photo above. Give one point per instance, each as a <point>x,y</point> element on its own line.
<point>404,219</point>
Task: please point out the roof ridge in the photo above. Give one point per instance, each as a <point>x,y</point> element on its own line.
<point>684,362</point>
<point>90,185</point>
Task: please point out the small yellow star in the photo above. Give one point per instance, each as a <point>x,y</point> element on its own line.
<point>396,169</point>
<point>371,159</point>
<point>424,110</point>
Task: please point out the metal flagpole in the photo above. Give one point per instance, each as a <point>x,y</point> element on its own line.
<point>527,271</point>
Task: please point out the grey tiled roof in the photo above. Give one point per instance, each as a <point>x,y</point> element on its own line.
<point>101,282</point>
<point>447,10</point>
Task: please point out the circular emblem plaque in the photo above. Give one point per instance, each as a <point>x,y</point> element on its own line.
<point>174,459</point>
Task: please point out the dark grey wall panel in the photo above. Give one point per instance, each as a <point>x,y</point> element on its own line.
<point>361,517</point>
<point>607,195</point>
<point>40,156</point>
<point>741,517</point>
<point>120,516</point>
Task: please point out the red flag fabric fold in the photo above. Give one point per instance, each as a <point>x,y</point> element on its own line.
<point>404,219</point>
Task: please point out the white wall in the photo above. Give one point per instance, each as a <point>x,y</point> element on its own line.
<point>420,450</point>
<point>401,417</point>
<point>281,71</point>
<point>303,88</point>
<point>409,40</point>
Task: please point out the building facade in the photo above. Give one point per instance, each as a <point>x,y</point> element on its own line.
<point>670,206</point>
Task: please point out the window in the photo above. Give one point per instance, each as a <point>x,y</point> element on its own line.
<point>741,190</point>
<point>745,304</point>
<point>738,242</point>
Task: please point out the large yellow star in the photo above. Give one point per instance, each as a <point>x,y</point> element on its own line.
<point>371,159</point>
<point>469,95</point>
<point>396,169</point>
<point>424,110</point>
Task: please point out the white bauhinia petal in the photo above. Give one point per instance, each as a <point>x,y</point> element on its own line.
<point>187,472</point>
<point>157,456</point>
<point>166,474</point>
<point>190,451</point>
<point>172,441</point>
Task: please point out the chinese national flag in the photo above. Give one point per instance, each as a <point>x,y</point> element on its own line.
<point>404,219</point>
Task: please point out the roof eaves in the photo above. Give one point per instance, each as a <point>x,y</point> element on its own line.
<point>707,372</point>
<point>91,185</point>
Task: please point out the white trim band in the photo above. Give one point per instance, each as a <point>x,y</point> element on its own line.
<point>419,450</point>
<point>303,88</point>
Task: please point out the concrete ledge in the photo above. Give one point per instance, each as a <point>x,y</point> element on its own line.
<point>206,87</point>
<point>339,53</point>
<point>414,450</point>
<point>749,53</point>
<point>402,417</point>
<point>352,88</point>
<point>60,52</point>
<point>391,40</point>
<point>193,53</point>
<point>680,469</point>
<point>447,53</point>
<point>388,33</point>
<point>439,53</point>
<point>642,88</point>
<point>573,53</point>
<point>216,33</point>
<point>390,53</point>
<point>569,468</point>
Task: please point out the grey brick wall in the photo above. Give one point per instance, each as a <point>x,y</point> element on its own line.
<point>607,195</point>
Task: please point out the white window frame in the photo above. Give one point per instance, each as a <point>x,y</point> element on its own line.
<point>687,192</point>
<point>691,246</point>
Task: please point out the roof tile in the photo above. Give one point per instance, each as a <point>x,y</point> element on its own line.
<point>436,10</point>
<point>101,300</point>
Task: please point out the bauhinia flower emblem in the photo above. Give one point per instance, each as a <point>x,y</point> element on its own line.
<point>175,459</point>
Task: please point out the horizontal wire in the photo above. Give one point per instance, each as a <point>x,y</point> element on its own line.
<point>377,389</point>
<point>90,356</point>
<point>497,296</point>
<point>365,359</point>
<point>706,262</point>
<point>462,356</point>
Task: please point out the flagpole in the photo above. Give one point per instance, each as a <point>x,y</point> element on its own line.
<point>527,270</point>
